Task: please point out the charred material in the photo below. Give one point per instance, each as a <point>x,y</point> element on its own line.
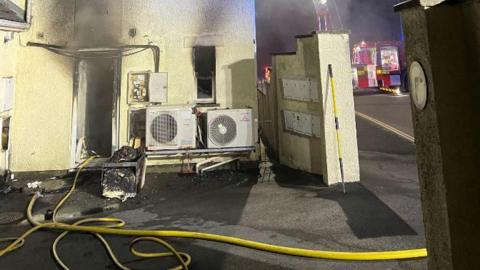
<point>123,175</point>
<point>119,183</point>
<point>126,154</point>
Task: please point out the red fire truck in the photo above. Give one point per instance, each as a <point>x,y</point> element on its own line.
<point>380,65</point>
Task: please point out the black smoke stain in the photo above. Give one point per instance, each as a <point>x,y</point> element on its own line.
<point>97,23</point>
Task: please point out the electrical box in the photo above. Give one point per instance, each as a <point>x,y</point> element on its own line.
<point>148,87</point>
<point>302,123</point>
<point>158,87</point>
<point>138,85</point>
<point>301,89</point>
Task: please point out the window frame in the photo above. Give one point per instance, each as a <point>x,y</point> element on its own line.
<point>24,13</point>
<point>211,100</point>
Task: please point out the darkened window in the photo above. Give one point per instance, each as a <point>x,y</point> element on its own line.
<point>205,65</point>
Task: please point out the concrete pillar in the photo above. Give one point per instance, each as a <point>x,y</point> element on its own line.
<point>317,153</point>
<point>445,40</point>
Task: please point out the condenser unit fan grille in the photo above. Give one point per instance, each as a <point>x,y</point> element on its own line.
<point>164,129</point>
<point>223,130</point>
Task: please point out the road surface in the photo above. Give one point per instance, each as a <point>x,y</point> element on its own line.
<point>394,111</point>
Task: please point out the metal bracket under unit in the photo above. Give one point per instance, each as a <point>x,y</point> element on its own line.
<point>213,163</point>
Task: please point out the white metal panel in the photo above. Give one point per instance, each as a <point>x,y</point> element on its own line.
<point>305,124</point>
<point>287,86</point>
<point>295,119</point>
<point>289,120</point>
<point>298,123</point>
<point>301,89</point>
<point>302,123</point>
<point>158,87</point>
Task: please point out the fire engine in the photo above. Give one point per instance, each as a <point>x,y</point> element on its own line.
<point>380,65</point>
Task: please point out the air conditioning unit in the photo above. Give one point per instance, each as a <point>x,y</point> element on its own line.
<point>170,128</point>
<point>230,128</point>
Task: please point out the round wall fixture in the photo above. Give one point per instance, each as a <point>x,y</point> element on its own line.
<point>418,85</point>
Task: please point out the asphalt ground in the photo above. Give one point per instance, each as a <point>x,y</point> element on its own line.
<point>392,110</point>
<point>276,205</point>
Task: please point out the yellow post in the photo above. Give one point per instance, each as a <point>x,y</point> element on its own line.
<point>337,125</point>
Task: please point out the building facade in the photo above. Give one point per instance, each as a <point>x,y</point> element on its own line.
<point>70,75</point>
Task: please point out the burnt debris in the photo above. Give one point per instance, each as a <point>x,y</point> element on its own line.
<point>126,154</point>
<point>123,174</point>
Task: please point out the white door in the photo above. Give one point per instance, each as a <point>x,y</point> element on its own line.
<point>6,106</point>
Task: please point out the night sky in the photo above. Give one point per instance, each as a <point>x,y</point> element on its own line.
<point>278,21</point>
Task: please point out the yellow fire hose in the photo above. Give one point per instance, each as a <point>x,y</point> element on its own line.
<point>113,226</point>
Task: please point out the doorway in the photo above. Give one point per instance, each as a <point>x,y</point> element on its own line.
<point>95,114</point>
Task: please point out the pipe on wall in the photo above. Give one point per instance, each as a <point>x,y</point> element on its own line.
<point>113,52</point>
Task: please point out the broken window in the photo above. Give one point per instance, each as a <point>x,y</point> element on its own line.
<point>137,127</point>
<point>205,65</point>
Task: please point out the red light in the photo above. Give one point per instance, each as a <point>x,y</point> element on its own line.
<point>267,73</point>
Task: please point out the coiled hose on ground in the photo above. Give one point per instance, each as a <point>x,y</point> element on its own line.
<point>113,226</point>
